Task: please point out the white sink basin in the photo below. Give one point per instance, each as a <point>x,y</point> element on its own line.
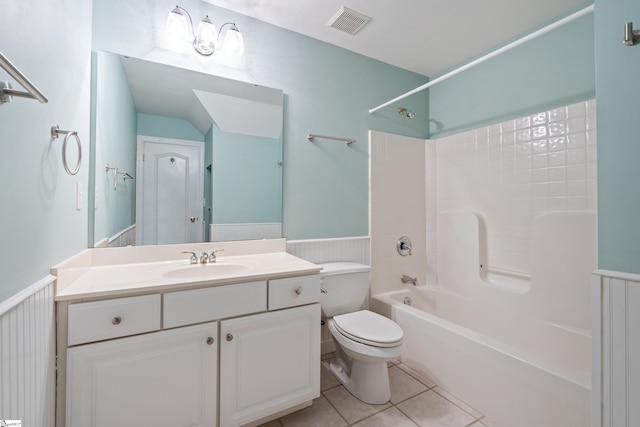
<point>205,270</point>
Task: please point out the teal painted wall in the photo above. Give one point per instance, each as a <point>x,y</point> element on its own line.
<point>552,70</point>
<point>247,179</point>
<point>167,127</point>
<point>39,223</point>
<point>328,90</point>
<point>618,88</point>
<point>115,145</point>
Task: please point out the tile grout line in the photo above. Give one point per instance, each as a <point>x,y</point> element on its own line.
<point>411,373</point>
<point>433,388</point>
<point>333,406</point>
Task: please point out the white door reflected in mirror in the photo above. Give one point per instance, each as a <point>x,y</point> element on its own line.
<point>169,195</point>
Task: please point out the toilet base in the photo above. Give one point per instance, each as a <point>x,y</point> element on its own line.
<point>368,382</point>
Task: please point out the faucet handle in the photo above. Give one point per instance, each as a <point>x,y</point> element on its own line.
<point>204,258</point>
<point>212,257</point>
<point>194,257</point>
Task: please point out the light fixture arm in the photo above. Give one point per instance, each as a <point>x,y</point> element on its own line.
<point>223,25</point>
<point>196,37</point>
<point>206,37</point>
<point>190,20</point>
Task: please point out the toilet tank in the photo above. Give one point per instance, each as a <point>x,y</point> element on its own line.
<point>345,285</point>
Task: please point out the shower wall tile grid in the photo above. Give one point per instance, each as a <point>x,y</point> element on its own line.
<point>397,208</point>
<point>513,171</point>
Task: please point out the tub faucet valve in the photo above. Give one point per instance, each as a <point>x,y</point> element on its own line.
<point>403,245</point>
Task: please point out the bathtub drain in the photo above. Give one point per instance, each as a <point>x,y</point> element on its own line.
<point>407,300</point>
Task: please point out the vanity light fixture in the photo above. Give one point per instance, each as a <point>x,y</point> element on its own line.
<point>205,37</point>
<point>233,41</point>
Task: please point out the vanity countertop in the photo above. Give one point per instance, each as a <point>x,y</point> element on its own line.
<point>98,281</point>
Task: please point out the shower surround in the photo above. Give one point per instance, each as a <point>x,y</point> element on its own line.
<point>510,216</point>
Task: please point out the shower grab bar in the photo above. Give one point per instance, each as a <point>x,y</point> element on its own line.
<point>535,34</point>
<point>6,92</point>
<point>312,136</point>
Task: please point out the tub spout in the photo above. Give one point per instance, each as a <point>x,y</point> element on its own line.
<point>408,279</point>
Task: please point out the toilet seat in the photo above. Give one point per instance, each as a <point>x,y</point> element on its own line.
<point>369,328</point>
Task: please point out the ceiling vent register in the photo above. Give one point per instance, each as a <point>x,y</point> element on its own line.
<point>348,21</point>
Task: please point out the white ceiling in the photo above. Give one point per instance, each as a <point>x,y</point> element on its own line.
<point>203,99</point>
<point>425,36</point>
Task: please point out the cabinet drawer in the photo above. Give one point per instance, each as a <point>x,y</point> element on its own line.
<point>293,291</point>
<point>218,302</point>
<point>100,320</point>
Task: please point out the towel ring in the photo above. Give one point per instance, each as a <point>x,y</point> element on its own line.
<point>55,132</point>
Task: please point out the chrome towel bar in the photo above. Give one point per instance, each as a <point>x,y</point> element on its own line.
<point>7,93</point>
<point>116,172</point>
<point>312,136</point>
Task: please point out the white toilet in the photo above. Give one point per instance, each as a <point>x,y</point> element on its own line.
<point>365,341</point>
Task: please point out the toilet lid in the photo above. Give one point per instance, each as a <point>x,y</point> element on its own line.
<point>369,328</point>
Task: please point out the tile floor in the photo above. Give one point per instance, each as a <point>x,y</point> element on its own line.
<point>415,401</point>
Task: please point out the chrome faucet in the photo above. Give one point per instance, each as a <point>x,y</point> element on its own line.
<point>212,257</point>
<point>408,279</point>
<point>205,258</point>
<point>194,257</point>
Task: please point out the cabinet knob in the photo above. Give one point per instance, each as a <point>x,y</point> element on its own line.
<point>229,337</point>
<point>116,320</point>
<point>298,290</point>
<point>210,341</point>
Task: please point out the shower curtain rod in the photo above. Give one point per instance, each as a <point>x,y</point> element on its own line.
<point>541,31</point>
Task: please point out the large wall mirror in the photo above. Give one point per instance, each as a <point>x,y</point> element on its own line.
<point>181,156</point>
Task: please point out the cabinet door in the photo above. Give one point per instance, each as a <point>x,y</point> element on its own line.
<point>268,363</point>
<point>161,379</point>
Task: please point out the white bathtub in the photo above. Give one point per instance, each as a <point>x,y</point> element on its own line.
<point>540,378</point>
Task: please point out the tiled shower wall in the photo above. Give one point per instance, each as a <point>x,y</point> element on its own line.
<point>514,171</point>
<point>397,195</point>
<point>509,173</point>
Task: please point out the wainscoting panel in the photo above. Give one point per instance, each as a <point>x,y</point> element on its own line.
<point>352,249</point>
<point>319,251</point>
<point>616,349</point>
<point>27,355</point>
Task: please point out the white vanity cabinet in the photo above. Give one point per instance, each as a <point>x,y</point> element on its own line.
<point>268,362</point>
<point>160,379</point>
<point>221,355</point>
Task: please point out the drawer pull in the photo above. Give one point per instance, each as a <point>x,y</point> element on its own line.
<point>210,341</point>
<point>116,320</point>
<point>298,290</point>
<point>229,337</point>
